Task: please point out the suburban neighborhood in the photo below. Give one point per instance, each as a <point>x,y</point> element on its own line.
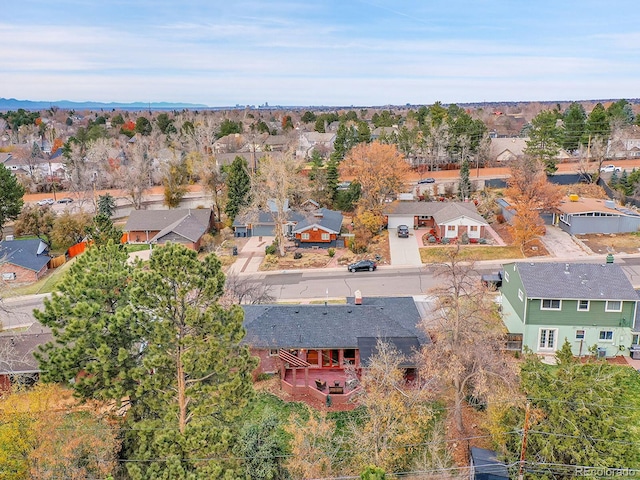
<point>288,275</point>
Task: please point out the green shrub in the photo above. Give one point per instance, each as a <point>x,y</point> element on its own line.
<point>271,249</point>
<point>331,252</point>
<point>297,255</point>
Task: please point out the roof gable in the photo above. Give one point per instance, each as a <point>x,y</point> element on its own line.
<point>31,254</point>
<point>329,220</point>
<point>441,211</point>
<point>187,227</point>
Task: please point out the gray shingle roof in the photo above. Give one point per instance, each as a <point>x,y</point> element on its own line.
<point>188,227</point>
<point>18,351</point>
<point>330,220</point>
<point>579,281</point>
<point>24,253</point>
<point>331,326</point>
<point>441,211</point>
<point>152,220</point>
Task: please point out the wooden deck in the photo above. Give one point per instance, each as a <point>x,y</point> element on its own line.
<point>336,385</point>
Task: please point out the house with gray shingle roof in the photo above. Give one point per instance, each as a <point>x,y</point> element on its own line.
<point>318,227</point>
<point>315,341</point>
<point>23,261</point>
<point>593,306</point>
<point>17,363</point>
<point>185,226</point>
<point>446,219</point>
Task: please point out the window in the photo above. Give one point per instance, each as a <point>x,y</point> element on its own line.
<point>304,236</point>
<point>551,304</point>
<point>635,339</point>
<point>583,305</point>
<point>606,335</point>
<point>451,228</point>
<point>547,339</point>
<point>326,236</point>
<point>520,295</point>
<point>506,276</point>
<point>473,228</point>
<point>613,306</point>
<point>273,352</point>
<point>579,334</point>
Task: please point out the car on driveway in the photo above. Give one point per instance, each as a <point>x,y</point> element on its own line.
<point>46,201</point>
<point>65,200</point>
<point>403,231</point>
<point>427,180</point>
<point>610,169</point>
<point>368,265</point>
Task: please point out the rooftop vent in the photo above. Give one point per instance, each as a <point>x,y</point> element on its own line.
<point>9,238</point>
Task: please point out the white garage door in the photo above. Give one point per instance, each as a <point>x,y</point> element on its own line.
<point>401,220</point>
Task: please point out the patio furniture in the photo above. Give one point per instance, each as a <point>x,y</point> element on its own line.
<point>336,390</point>
<point>321,384</point>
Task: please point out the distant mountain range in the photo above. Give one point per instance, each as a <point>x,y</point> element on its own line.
<point>13,104</point>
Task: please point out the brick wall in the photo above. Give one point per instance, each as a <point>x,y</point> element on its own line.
<point>23,275</point>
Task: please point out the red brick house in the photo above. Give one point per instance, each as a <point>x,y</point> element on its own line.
<point>23,261</point>
<point>320,350</point>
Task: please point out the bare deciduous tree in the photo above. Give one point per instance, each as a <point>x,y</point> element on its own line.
<point>467,332</point>
<point>276,183</point>
<point>245,291</point>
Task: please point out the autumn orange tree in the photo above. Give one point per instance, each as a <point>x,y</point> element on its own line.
<point>530,192</point>
<point>380,170</point>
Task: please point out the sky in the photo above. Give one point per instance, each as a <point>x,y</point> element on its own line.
<point>323,52</point>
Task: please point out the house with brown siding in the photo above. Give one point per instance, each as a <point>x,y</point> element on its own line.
<point>308,227</point>
<point>23,261</point>
<point>318,228</point>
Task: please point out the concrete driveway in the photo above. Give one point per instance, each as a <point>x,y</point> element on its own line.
<point>251,255</point>
<point>404,251</point>
<point>560,244</point>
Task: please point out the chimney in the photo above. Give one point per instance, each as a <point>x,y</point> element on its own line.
<point>357,297</point>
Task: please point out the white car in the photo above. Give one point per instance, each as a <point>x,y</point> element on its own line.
<point>610,169</point>
<point>46,201</point>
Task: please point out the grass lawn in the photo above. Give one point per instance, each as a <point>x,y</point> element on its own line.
<point>44,285</point>
<point>136,247</point>
<point>471,252</point>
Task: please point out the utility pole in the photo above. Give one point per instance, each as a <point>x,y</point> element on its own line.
<point>523,448</point>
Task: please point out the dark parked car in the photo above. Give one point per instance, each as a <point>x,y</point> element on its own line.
<point>403,231</point>
<point>65,200</point>
<point>369,265</point>
<point>427,180</point>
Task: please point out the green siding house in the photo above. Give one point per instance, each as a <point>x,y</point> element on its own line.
<point>591,305</point>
